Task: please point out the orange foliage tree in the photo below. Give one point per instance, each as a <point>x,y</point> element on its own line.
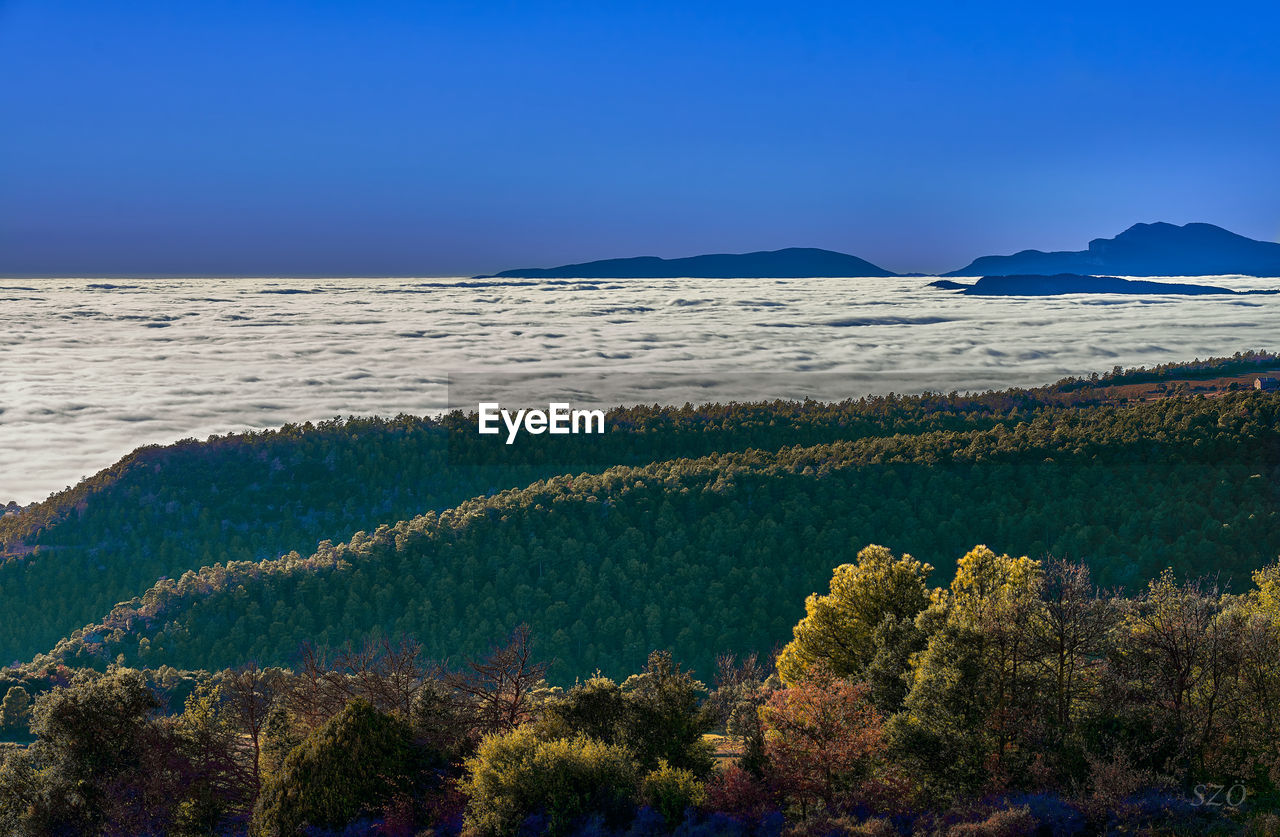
<point>825,745</point>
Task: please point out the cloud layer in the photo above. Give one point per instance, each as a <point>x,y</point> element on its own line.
<point>91,369</point>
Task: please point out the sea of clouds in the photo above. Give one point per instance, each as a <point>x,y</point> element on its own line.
<point>91,369</point>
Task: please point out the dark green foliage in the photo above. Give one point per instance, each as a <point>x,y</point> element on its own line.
<point>163,511</point>
<point>357,762</point>
<point>941,736</point>
<point>658,715</point>
<point>719,553</point>
<point>98,756</point>
<point>894,643</point>
<point>664,720</point>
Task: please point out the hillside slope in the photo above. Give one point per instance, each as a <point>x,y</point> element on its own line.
<point>718,553</point>
<point>164,510</point>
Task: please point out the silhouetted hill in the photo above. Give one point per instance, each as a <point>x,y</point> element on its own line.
<point>1071,283</point>
<point>1145,250</point>
<point>793,262</point>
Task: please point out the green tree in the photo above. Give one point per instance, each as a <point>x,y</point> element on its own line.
<point>280,734</point>
<point>215,783</point>
<point>96,748</point>
<point>940,738</point>
<point>444,727</point>
<point>838,629</point>
<point>354,763</point>
<point>517,775</point>
<point>671,792</point>
<point>16,708</point>
<point>664,718</point>
<point>596,708</point>
<point>999,598</point>
<point>1178,654</point>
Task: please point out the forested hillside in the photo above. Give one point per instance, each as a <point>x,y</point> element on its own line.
<point>163,511</point>
<point>246,497</point>
<point>1020,699</point>
<point>717,553</point>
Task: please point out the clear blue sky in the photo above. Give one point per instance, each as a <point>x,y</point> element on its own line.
<point>425,138</point>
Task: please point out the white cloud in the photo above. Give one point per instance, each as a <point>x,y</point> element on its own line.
<point>89,373</point>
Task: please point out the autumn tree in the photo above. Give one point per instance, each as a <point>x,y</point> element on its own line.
<point>825,744</point>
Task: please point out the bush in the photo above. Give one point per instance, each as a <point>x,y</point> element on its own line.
<point>1009,822</point>
<point>664,716</point>
<point>823,739</point>
<point>741,795</point>
<point>671,791</point>
<point>356,763</point>
<point>517,776</point>
<point>100,757</point>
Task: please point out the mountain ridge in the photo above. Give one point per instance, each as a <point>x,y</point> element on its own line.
<point>787,263</point>
<point>1157,249</point>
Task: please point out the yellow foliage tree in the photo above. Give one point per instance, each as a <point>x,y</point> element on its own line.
<point>838,628</point>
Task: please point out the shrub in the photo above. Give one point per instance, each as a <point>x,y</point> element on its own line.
<point>356,763</point>
<point>671,791</point>
<point>664,718</point>
<point>736,792</point>
<point>517,776</point>
<point>824,743</point>
<point>1009,822</point>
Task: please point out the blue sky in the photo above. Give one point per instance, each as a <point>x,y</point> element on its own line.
<point>431,138</point>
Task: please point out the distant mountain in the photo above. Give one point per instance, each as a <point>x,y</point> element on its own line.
<point>1145,250</point>
<point>1071,283</point>
<point>791,263</point>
